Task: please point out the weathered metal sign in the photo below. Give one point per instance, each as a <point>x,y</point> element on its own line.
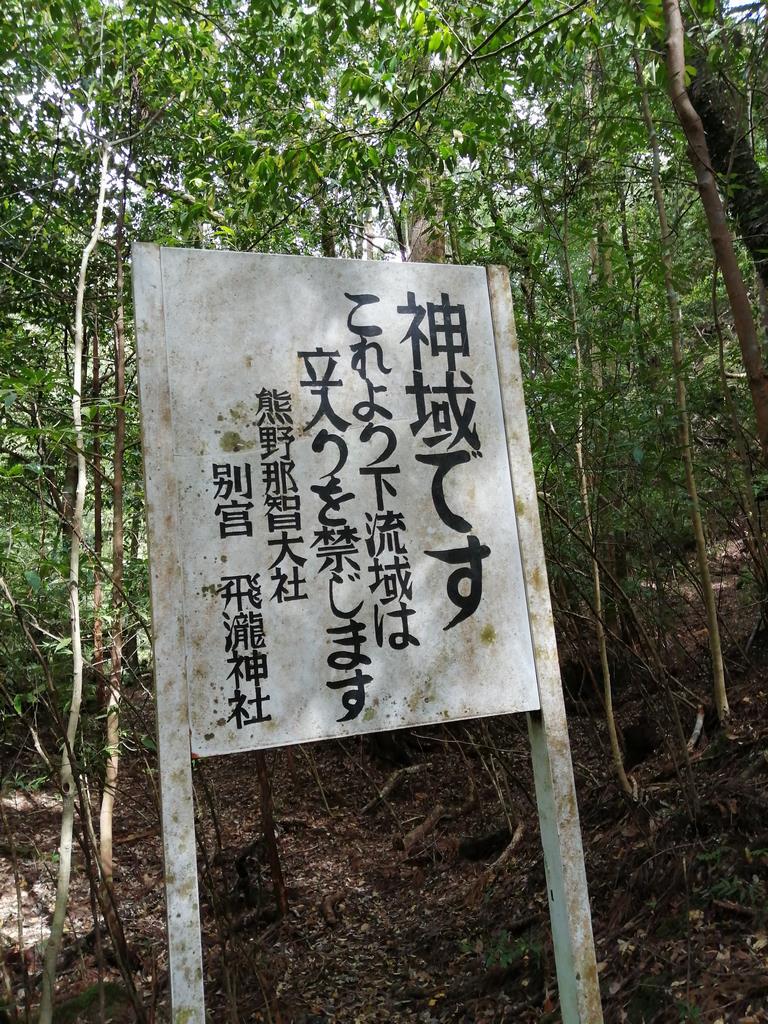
<point>350,556</point>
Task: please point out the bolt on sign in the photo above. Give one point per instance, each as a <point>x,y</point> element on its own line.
<point>337,486</point>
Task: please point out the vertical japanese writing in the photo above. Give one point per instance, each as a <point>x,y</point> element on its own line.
<point>243,624</point>
<point>389,568</point>
<point>444,421</point>
<point>336,540</point>
<point>245,643</point>
<point>282,500</point>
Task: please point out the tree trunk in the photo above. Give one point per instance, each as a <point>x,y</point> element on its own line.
<point>720,235</point>
<point>131,641</point>
<point>98,626</point>
<point>327,240</point>
<point>730,150</point>
<point>116,660</point>
<point>602,644</point>
<point>67,768</point>
<point>427,233</point>
<point>675,322</point>
<point>397,223</point>
<point>268,828</point>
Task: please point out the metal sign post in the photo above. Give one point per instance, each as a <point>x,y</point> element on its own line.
<point>547,728</point>
<point>343,536</point>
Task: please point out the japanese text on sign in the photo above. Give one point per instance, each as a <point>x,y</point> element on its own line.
<point>358,556</point>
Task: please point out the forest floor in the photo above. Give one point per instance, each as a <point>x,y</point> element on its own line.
<point>378,933</point>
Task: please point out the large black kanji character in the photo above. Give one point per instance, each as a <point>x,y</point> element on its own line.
<point>471,560</point>
<point>451,416</point>
<point>375,469</point>
<point>288,586</point>
<point>235,519</point>
<point>274,407</point>
<point>240,589</point>
<point>447,417</point>
<point>250,668</point>
<point>271,438</point>
<point>395,575</point>
<point>240,713</point>
<point>444,462</point>
<point>320,386</point>
<point>383,533</point>
<point>337,545</point>
<point>450,322</point>
<point>268,441</point>
<point>414,334</point>
<point>284,542</point>
<point>277,477</point>
<point>245,631</point>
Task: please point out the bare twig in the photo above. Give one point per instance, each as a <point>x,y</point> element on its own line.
<point>392,783</point>
<point>410,839</point>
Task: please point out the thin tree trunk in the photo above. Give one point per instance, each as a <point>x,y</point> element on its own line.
<point>584,492</point>
<point>327,240</point>
<point>719,232</point>
<point>762,302</point>
<point>116,662</point>
<point>66,775</point>
<point>98,626</point>
<point>268,828</point>
<point>675,322</point>
<point>729,142</point>
<point>131,641</point>
<point>397,223</point>
<point>634,278</point>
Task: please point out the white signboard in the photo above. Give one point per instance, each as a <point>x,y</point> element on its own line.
<point>345,524</point>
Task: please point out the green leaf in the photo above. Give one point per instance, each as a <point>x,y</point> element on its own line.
<point>33,580</point>
<point>347,82</point>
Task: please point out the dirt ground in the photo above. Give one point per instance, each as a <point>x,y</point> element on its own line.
<point>376,933</point>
